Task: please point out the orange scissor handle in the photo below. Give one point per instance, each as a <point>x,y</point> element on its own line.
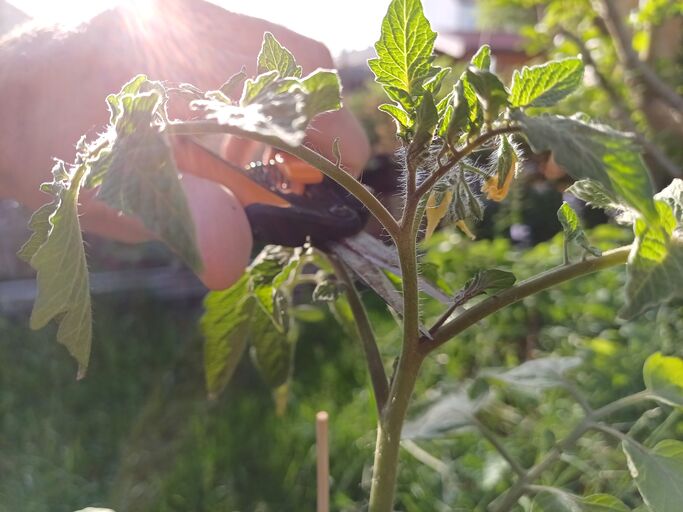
<point>195,159</point>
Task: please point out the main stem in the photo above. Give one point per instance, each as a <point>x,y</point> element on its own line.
<point>390,423</point>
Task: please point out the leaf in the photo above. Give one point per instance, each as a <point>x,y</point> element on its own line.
<point>557,500</point>
<point>235,81</point>
<point>596,152</point>
<point>497,186</point>
<point>143,181</point>
<point>546,84</point>
<point>491,280</point>
<point>425,125</point>
<point>402,118</point>
<point>327,290</point>
<point>489,89</point>
<point>673,196</point>
<point>594,194</point>
<point>658,473</point>
<point>460,114</point>
<point>271,350</point>
<point>663,377</point>
<point>536,375</point>
<point>433,85</point>
<point>40,225</point>
<point>56,252</point>
<point>256,89</point>
<point>655,264</point>
<point>482,58</point>
<point>276,107</point>
<point>448,413</point>
<point>282,118</point>
<point>225,326</point>
<point>275,57</point>
<point>573,232</point>
<point>404,52</point>
<point>324,92</point>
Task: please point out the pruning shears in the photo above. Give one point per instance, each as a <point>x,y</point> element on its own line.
<point>286,203</point>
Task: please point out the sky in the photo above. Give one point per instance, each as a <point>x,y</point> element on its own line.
<point>347,25</point>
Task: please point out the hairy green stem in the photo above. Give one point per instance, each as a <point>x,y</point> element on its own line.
<point>306,154</point>
<point>373,358</point>
<point>385,468</point>
<point>434,178</point>
<point>524,289</point>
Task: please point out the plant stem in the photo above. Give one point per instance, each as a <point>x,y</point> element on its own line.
<point>502,451</point>
<point>378,376</point>
<point>304,153</point>
<point>385,468</point>
<point>524,289</point>
<point>590,421</point>
<point>433,179</point>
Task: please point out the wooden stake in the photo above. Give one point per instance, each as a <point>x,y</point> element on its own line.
<point>323,453</point>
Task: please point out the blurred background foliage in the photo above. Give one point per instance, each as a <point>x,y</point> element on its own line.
<point>138,433</point>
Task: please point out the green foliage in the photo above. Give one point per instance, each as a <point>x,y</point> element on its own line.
<point>663,377</point>
<point>225,326</point>
<point>448,413</point>
<point>554,500</point>
<point>537,375</point>
<point>546,84</point>
<point>275,57</point>
<point>655,263</point>
<point>55,251</point>
<point>658,473</point>
<point>573,232</point>
<point>404,54</point>
<point>596,152</point>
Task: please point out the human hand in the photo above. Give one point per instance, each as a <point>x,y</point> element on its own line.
<point>54,87</point>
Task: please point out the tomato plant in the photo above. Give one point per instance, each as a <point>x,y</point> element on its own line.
<point>457,147</point>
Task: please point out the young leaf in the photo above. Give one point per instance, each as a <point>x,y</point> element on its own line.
<point>655,265</point>
<point>56,252</point>
<point>403,120</point>
<point>278,108</point>
<point>275,57</point>
<point>235,81</point>
<point>658,473</point>
<point>537,375</point>
<point>546,84</point>
<point>457,120</point>
<point>448,413</point>
<point>573,232</point>
<point>596,152</point>
<point>404,52</point>
<point>497,186</point>
<point>489,89</point>
<point>482,58</point>
<point>663,377</point>
<point>425,125</point>
<point>225,326</point>
<point>594,194</point>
